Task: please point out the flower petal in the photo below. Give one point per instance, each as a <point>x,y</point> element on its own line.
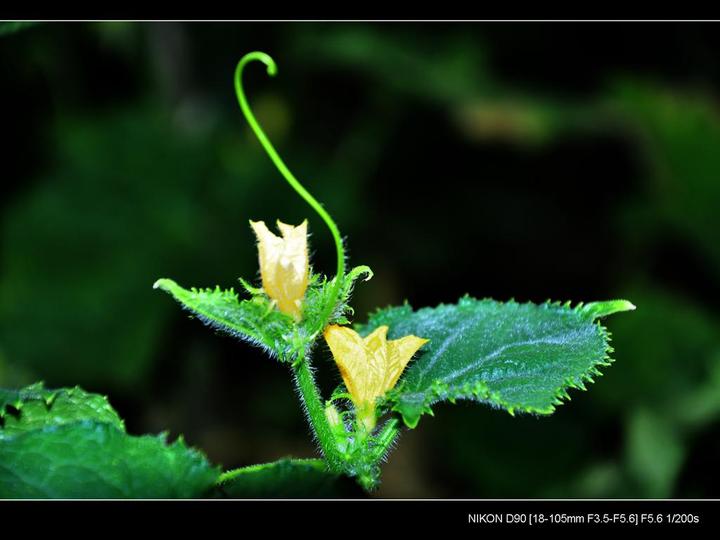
<point>284,264</point>
<point>400,351</point>
<point>350,354</point>
<point>372,365</point>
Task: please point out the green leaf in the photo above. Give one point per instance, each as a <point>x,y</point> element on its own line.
<point>69,443</point>
<point>36,407</point>
<point>257,321</point>
<point>250,320</point>
<point>286,478</point>
<point>91,459</point>
<point>519,357</point>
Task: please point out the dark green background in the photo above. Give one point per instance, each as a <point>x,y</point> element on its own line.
<point>566,161</point>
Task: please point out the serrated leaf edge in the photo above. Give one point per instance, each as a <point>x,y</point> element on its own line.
<point>169,286</point>
<point>49,401</point>
<point>479,392</point>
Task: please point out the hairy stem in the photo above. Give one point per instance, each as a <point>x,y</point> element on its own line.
<point>232,474</point>
<point>316,413</point>
<point>386,437</point>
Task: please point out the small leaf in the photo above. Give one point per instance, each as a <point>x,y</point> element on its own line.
<point>252,320</point>
<point>286,478</point>
<point>519,357</point>
<point>257,320</point>
<point>90,459</point>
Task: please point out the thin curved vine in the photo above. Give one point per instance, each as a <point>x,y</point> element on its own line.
<point>285,171</point>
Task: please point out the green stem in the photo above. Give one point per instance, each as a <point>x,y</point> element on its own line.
<point>371,450</point>
<point>316,413</point>
<point>307,388</point>
<point>385,438</point>
<point>280,164</point>
<point>232,474</point>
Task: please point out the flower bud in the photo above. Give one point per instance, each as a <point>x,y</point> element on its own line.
<point>284,265</point>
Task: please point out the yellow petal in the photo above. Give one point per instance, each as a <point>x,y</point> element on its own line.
<point>370,366</point>
<point>375,372</point>
<point>400,351</point>
<point>350,355</point>
<point>284,264</point>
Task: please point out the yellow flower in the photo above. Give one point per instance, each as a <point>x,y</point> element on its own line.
<point>370,366</point>
<point>284,264</point>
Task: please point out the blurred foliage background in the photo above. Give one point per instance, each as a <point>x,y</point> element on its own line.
<point>534,161</point>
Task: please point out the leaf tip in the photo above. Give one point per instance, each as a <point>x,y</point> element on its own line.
<point>411,421</point>
<point>163,283</point>
<point>602,309</point>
